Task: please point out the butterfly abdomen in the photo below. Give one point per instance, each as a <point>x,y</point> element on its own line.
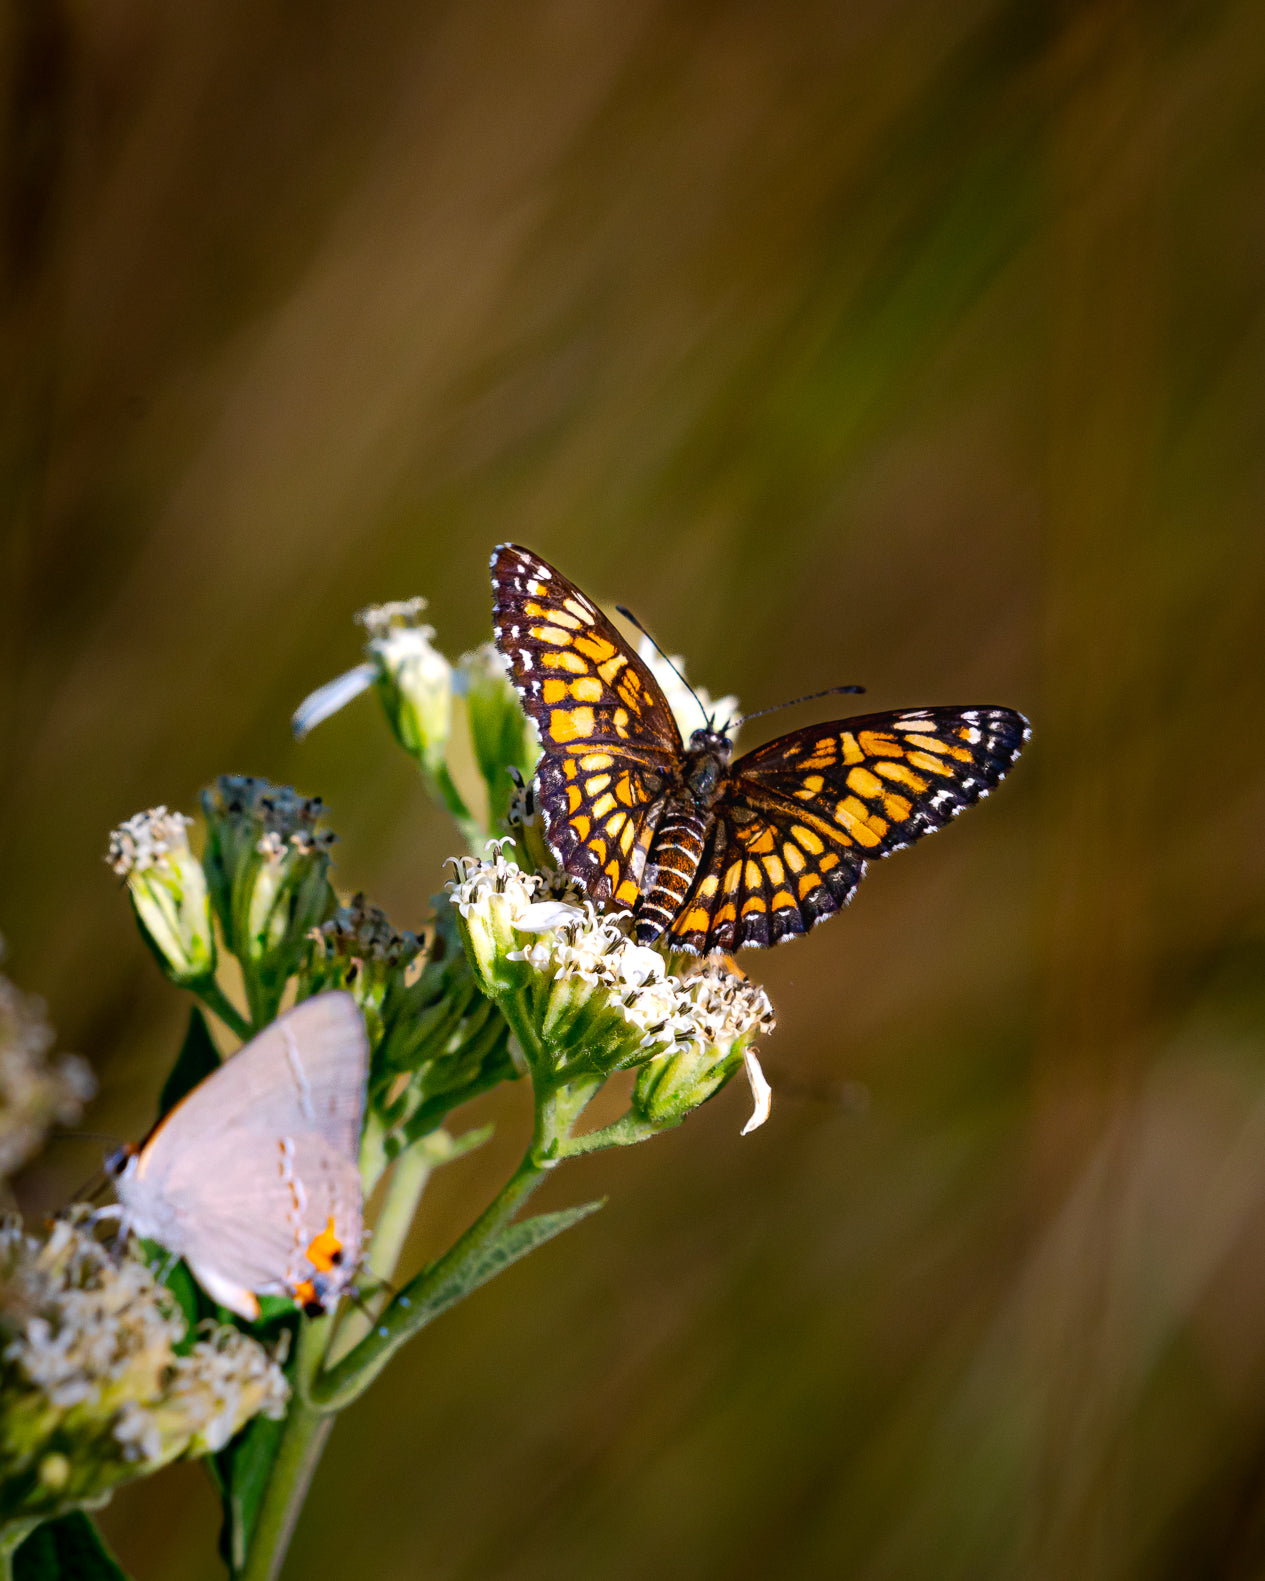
<point>670,869</point>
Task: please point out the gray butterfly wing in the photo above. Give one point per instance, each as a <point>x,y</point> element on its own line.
<point>261,1158</point>
<point>305,1072</point>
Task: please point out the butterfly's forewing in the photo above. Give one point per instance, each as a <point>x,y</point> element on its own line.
<point>801,815</point>
<point>610,743</point>
<point>251,1167</point>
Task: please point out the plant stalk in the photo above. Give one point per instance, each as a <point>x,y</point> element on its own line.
<point>302,1443</point>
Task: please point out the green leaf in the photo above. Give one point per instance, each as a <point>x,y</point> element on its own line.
<point>243,1468</point>
<point>513,1242</point>
<point>197,1058</point>
<point>67,1549</point>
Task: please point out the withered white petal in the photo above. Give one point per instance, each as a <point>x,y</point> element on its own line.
<point>328,699</point>
<point>761,1093</point>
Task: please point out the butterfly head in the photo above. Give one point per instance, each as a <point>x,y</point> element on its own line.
<point>707,762</point>
<point>120,1161</point>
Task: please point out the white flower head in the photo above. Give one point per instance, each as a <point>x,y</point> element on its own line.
<point>726,1013</point>
<point>93,1389</point>
<point>168,890</point>
<point>595,1000</point>
<point>414,681</point>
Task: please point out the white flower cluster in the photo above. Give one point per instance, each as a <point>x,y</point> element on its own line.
<point>92,1389</point>
<point>591,994</point>
<point>148,839</point>
<point>380,620</point>
<point>35,1091</point>
<point>151,853</point>
<point>570,947</point>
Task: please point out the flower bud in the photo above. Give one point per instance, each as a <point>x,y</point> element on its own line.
<point>358,949</point>
<point>443,1042</point>
<point>267,861</point>
<point>504,739</point>
<point>35,1091</point>
<point>98,1383</point>
<point>413,678</point>
<point>728,1014</point>
<point>168,892</point>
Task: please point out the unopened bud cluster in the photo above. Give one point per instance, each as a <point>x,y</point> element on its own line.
<point>267,862</point>
<point>96,1384</point>
<point>358,949</point>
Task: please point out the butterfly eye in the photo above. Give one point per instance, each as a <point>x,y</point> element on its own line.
<point>117,1161</point>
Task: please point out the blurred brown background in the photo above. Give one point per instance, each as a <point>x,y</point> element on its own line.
<point>889,341</point>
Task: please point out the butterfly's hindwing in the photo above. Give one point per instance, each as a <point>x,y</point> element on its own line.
<point>600,811</point>
<point>766,877</point>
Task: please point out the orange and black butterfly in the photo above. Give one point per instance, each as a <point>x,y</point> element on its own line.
<point>706,854</point>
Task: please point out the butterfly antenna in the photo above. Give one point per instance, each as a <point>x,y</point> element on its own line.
<point>92,1188</point>
<point>628,615</point>
<point>812,697</point>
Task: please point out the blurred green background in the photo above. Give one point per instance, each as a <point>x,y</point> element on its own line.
<point>908,343</point>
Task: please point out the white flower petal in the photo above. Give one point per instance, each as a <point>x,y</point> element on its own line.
<point>542,915</point>
<point>328,699</point>
<point>761,1092</point>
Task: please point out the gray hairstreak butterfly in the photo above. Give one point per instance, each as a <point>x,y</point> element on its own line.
<point>252,1177</point>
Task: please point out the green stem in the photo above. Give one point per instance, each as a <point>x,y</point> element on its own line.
<point>299,1453</point>
<point>399,1208</point>
<point>447,1280</point>
<point>444,788</point>
<point>433,1291</point>
<point>12,1537</point>
<point>623,1132</point>
<point>217,1001</point>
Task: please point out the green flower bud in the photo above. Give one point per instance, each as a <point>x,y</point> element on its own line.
<point>443,1040</point>
<point>267,862</point>
<point>35,1091</point>
<point>413,678</point>
<point>358,949</point>
<point>728,1014</point>
<point>98,1383</point>
<point>503,737</point>
<point>168,892</point>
